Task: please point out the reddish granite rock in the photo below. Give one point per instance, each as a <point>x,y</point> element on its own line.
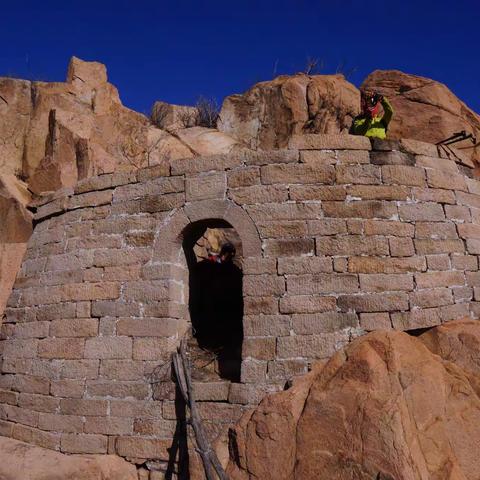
<point>384,407</point>
<point>15,230</point>
<point>28,462</point>
<point>267,115</point>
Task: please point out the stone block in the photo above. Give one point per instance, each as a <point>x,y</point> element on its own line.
<point>263,285</point>
<point>158,348</point>
<point>458,213</point>
<point>68,348</point>
<point>266,305</point>
<point>69,388</point>
<point>20,415</point>
<point>285,211</point>
<point>318,323</point>
<point>351,156</point>
<point>438,164</point>
<point>115,309</point>
<point>361,209</point>
<point>155,428</point>
<point>259,194</point>
<point>386,265</point>
<point>75,327</point>
<point>36,437</point>
<point>329,142</point>
<point>206,164</point>
<point>282,229</point>
<point>433,246</point>
<point>438,262</point>
<point>259,265</point>
<point>83,407</point>
<point>31,330</point>
<point>297,173</point>
<point>108,348</point>
<point>391,158</point>
<point>446,180</point>
<point>426,212</point>
<point>148,327</point>
<point>388,227</point>
<point>37,403</point>
<point>304,265</point>
<point>381,282</point>
<point>205,186</point>
<point>435,230</point>
<point>434,297</point>
<point>321,283</point>
<point>311,346</point>
<point>358,174</point>
<point>327,226</point>
<point>401,247</point>
<point>243,177</point>
<point>319,157</point>
<point>266,325</point>
<point>253,371</point>
<point>403,175</point>
<point>439,279</point>
<point>418,148</point>
<point>209,391</point>
<point>468,199</point>
<point>352,245</point>
<point>61,423</point>
<point>117,389</point>
<point>379,192</point>
<point>259,348</point>
<point>287,247</point>
<point>317,192</point>
<point>90,199</point>
<point>464,262</point>
<point>375,321</point>
<point>416,319</point>
<point>281,370</point>
<point>375,302</point>
<point>433,195</point>
<point>141,447</point>
<point>83,443</point>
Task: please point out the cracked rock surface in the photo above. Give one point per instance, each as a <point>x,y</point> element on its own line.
<point>389,406</point>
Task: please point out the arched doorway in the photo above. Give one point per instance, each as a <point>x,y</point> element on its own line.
<point>213,251</point>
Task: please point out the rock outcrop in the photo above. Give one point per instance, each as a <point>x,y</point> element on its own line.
<point>22,461</point>
<point>425,109</point>
<point>386,407</point>
<point>15,230</point>
<point>268,114</point>
<point>58,133</point>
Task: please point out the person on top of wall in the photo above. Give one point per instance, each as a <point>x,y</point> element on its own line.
<point>369,123</point>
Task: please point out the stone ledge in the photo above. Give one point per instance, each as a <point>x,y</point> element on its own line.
<point>329,142</point>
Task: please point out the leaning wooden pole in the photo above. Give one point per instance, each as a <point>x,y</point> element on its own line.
<point>209,458</point>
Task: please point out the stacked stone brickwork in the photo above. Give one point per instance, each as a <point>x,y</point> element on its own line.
<point>338,236</point>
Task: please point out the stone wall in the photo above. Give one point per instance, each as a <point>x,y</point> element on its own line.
<point>339,237</point>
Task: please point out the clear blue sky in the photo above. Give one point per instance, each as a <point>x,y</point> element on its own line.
<point>178,50</point>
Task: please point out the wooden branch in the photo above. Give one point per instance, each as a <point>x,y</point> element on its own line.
<point>184,378</point>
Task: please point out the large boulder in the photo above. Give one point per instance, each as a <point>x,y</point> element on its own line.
<point>386,407</point>
<point>268,114</point>
<point>15,230</point>
<point>425,109</point>
<point>22,461</point>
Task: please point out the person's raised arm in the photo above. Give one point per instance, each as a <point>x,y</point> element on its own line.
<point>388,112</point>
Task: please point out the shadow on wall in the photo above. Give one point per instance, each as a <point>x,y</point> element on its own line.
<point>215,300</point>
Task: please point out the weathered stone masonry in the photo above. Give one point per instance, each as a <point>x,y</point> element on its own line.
<point>337,239</point>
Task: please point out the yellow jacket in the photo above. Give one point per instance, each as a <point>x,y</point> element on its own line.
<point>375,127</point>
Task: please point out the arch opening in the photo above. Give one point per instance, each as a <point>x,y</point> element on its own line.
<point>215,299</point>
